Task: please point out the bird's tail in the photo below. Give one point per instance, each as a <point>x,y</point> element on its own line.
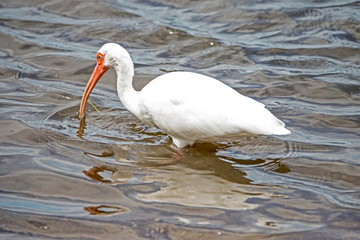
<point>279,128</point>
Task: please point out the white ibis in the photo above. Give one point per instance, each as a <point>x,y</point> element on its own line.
<point>188,106</point>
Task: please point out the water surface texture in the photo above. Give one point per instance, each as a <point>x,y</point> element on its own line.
<point>112,177</point>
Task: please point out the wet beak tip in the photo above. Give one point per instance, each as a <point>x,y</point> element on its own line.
<point>95,76</point>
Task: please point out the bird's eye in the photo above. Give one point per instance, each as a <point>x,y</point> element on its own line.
<point>99,57</point>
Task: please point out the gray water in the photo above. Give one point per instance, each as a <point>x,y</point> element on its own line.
<point>115,178</point>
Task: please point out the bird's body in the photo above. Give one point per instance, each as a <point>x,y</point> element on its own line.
<point>188,106</point>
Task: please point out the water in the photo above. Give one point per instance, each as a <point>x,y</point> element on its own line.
<point>116,178</point>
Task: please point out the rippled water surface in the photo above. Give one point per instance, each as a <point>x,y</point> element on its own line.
<point>115,178</point>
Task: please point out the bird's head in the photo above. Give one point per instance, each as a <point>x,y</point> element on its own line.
<point>110,55</point>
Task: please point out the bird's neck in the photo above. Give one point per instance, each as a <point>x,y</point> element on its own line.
<point>129,97</point>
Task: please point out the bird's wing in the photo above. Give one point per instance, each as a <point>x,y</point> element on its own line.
<point>189,105</point>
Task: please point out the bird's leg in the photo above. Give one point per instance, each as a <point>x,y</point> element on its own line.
<point>177,155</point>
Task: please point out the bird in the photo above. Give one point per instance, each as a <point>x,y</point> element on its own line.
<point>189,107</point>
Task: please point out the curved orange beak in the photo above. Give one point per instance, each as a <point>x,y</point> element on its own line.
<point>99,70</point>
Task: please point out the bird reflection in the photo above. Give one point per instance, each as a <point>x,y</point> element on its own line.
<point>277,165</point>
<point>105,210</point>
<point>200,157</point>
<point>204,175</point>
<point>93,173</point>
<point>81,128</point>
<point>116,175</point>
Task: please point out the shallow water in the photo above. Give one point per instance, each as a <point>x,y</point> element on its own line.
<point>115,178</point>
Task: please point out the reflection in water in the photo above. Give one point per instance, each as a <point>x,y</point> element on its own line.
<point>105,210</point>
<point>111,175</point>
<point>197,178</point>
<point>277,165</point>
<point>200,189</point>
<point>81,128</point>
<point>201,179</point>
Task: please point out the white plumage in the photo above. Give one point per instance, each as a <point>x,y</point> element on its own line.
<point>188,106</point>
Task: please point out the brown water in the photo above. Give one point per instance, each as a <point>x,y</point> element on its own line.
<point>116,178</point>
